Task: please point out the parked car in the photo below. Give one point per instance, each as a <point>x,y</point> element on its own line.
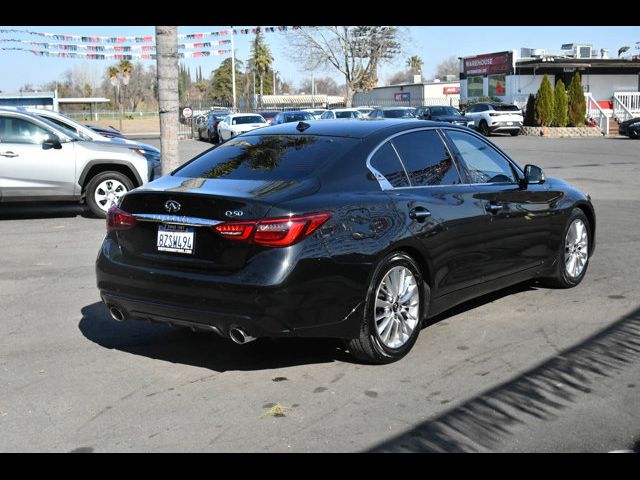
<point>394,112</point>
<point>440,113</point>
<point>630,128</point>
<point>209,129</point>
<point>238,123</point>
<point>269,115</point>
<point>490,118</point>
<point>85,133</point>
<point>292,116</point>
<point>336,113</point>
<point>356,230</point>
<point>316,112</point>
<point>42,161</point>
<point>110,132</point>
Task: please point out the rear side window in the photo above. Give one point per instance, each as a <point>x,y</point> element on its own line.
<point>388,164</point>
<point>268,157</point>
<point>426,159</point>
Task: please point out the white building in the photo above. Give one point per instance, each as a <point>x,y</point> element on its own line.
<point>411,94</point>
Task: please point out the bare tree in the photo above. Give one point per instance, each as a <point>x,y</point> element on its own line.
<point>167,61</point>
<point>356,52</point>
<point>450,66</point>
<point>326,85</point>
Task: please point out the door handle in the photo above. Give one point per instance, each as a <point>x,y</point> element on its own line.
<point>494,208</point>
<point>8,154</point>
<point>419,213</point>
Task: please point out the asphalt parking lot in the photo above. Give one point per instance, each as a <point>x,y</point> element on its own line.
<point>524,369</point>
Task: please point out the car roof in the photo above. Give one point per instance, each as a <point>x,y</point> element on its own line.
<point>398,108</point>
<point>354,128</point>
<point>245,115</point>
<point>342,109</point>
<point>295,111</point>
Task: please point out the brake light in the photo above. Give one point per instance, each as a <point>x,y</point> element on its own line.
<point>276,232</point>
<point>119,220</point>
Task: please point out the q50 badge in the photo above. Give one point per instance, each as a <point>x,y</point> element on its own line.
<point>234,213</point>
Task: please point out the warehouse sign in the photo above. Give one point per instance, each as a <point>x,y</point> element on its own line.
<point>402,97</point>
<point>489,63</point>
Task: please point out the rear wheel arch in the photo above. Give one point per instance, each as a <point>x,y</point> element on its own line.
<point>590,214</point>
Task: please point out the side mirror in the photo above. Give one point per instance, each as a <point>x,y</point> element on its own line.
<point>51,141</point>
<point>533,174</point>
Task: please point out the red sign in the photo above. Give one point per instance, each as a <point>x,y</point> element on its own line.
<point>450,90</point>
<point>488,64</point>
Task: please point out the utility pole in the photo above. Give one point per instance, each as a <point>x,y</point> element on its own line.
<point>313,88</point>
<point>233,70</point>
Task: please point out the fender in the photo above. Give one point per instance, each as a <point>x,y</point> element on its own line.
<point>93,163</point>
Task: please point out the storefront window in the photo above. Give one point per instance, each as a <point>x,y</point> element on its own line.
<point>474,86</point>
<point>497,86</point>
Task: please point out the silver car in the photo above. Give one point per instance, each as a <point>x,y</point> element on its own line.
<point>43,161</point>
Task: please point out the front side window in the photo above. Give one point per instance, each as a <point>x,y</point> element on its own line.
<point>17,130</point>
<point>426,159</point>
<point>484,164</point>
<point>388,164</point>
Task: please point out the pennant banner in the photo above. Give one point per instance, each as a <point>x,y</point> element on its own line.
<point>114,48</point>
<point>115,56</point>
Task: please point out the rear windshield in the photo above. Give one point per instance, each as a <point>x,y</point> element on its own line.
<point>349,114</point>
<point>298,117</point>
<point>267,157</point>
<point>401,113</point>
<point>444,111</point>
<point>247,119</point>
<point>505,108</point>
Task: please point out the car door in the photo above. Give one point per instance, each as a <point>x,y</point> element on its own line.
<point>437,208</point>
<point>223,128</point>
<point>518,219</point>
<point>31,170</point>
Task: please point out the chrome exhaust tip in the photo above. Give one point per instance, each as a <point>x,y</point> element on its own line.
<point>239,336</point>
<point>117,314</point>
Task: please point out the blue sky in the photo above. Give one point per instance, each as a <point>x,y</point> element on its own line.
<point>432,44</point>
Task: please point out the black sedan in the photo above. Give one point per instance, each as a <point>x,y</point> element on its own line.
<point>630,128</point>
<point>208,130</point>
<point>443,114</point>
<point>355,230</point>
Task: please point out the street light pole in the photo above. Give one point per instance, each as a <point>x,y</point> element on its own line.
<point>233,70</point>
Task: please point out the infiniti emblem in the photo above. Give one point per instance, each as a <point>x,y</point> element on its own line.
<point>172,206</point>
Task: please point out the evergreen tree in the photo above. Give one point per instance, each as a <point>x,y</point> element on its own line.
<point>544,103</point>
<point>577,103</point>
<point>221,82</point>
<point>530,111</point>
<point>561,105</point>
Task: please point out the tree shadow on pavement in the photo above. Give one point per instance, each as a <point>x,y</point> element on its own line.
<point>181,345</point>
<point>541,393</point>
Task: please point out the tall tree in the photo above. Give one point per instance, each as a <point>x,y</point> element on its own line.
<point>450,66</point>
<point>167,61</point>
<point>415,63</point>
<point>530,111</point>
<point>326,85</point>
<point>261,59</point>
<point>356,52</point>
<point>577,103</point>
<point>221,82</point>
<point>544,103</point>
<point>560,105</point>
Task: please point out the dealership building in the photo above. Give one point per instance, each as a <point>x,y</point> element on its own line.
<point>415,94</point>
<point>611,85</point>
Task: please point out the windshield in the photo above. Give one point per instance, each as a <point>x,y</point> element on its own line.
<point>247,119</point>
<point>58,128</point>
<point>400,113</point>
<point>505,108</point>
<point>267,157</point>
<point>349,114</point>
<point>69,124</point>
<point>298,117</point>
<point>442,111</point>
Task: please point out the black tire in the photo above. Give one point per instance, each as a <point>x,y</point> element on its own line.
<point>369,347</point>
<point>515,134</point>
<point>484,128</point>
<point>560,277</point>
<point>93,184</point>
<point>633,134</point>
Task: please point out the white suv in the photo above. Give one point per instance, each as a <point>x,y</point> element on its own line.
<point>490,118</point>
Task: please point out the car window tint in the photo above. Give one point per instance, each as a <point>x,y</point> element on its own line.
<point>426,159</point>
<point>388,164</point>
<point>484,164</point>
<point>267,157</point>
<point>17,130</point>
<point>247,119</point>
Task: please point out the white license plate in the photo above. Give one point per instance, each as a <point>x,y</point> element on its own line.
<point>175,238</point>
<point>509,123</point>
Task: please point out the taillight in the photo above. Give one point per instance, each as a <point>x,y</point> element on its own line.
<point>276,232</point>
<point>495,114</point>
<point>119,220</point>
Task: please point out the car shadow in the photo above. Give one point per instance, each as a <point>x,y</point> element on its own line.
<point>205,350</point>
<point>486,421</point>
<point>181,345</point>
<point>19,211</point>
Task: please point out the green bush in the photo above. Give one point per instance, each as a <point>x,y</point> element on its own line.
<point>561,105</point>
<point>544,103</point>
<point>530,111</point>
<point>577,105</point>
<point>481,100</point>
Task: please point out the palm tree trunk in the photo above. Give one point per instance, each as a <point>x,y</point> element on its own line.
<point>167,61</point>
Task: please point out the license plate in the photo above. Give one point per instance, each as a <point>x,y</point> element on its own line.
<point>175,238</point>
<point>509,123</point>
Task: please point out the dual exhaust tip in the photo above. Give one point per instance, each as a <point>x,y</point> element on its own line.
<point>237,334</point>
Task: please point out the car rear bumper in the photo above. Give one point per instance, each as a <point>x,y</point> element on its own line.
<point>501,127</point>
<point>314,299</point>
